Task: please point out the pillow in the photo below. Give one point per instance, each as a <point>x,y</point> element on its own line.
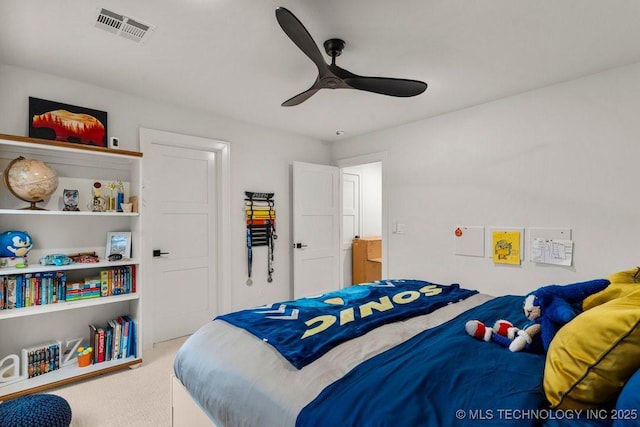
<point>628,405</point>
<point>622,283</point>
<point>591,357</point>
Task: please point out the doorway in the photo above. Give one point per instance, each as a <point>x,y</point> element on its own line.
<point>363,208</point>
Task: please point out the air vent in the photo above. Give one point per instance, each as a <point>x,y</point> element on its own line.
<point>123,26</point>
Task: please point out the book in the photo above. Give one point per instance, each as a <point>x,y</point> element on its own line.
<point>124,342</point>
<point>116,284</point>
<point>104,283</point>
<point>132,272</point>
<point>37,283</point>
<point>46,279</point>
<point>117,338</point>
<point>132,277</point>
<point>2,291</point>
<point>132,338</point>
<point>11,291</point>
<point>93,335</point>
<point>37,289</point>
<point>29,289</point>
<point>61,280</point>
<point>19,291</point>
<point>108,342</point>
<point>129,331</point>
<point>100,343</point>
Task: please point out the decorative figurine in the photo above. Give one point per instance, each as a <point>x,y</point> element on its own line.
<point>70,199</point>
<point>98,203</point>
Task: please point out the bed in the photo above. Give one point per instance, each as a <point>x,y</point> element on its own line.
<point>416,368</point>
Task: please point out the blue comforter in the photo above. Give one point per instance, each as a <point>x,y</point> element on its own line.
<point>441,377</point>
<point>305,329</point>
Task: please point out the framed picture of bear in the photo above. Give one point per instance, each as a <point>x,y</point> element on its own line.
<point>70,123</point>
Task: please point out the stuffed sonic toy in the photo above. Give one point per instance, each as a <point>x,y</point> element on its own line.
<point>547,308</point>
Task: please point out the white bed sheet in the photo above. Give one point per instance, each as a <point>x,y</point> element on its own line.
<point>241,381</point>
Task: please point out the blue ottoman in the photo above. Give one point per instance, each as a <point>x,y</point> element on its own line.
<point>37,410</point>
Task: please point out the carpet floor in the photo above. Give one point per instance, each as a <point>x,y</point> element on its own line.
<point>137,397</point>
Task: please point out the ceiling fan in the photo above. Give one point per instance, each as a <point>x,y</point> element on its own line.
<point>330,76</point>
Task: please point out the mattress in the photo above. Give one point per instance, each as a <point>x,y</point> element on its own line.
<point>241,381</point>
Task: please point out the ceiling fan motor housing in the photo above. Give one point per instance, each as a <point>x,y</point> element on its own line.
<point>334,47</point>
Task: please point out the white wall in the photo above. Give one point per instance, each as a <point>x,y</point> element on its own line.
<point>261,160</point>
<point>371,199</point>
<point>562,156</point>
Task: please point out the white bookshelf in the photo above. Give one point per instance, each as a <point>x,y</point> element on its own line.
<point>57,231</point>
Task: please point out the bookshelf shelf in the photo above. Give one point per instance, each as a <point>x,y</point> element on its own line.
<point>63,376</point>
<point>63,213</point>
<point>27,143</point>
<point>63,306</point>
<point>57,231</point>
<point>37,268</point>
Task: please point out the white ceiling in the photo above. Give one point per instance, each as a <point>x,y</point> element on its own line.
<point>231,58</point>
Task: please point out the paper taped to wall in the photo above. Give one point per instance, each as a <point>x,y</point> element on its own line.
<point>548,251</point>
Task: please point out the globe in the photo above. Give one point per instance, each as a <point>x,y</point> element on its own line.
<point>30,180</point>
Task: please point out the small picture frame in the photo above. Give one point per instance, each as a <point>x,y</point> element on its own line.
<point>118,243</point>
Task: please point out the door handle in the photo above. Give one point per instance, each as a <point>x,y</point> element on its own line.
<point>299,245</point>
<point>158,252</point>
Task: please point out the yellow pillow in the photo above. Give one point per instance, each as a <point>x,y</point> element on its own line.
<point>628,276</point>
<point>591,357</point>
<point>622,283</point>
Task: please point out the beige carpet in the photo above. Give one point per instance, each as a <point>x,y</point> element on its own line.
<point>131,397</point>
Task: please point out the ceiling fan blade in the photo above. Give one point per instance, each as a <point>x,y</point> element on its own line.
<point>387,86</point>
<point>300,36</point>
<point>301,97</point>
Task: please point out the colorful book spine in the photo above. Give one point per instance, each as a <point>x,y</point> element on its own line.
<point>100,344</point>
<point>11,291</point>
<point>46,280</point>
<point>117,339</point>
<point>132,269</point>
<point>19,291</point>
<point>108,342</point>
<point>124,343</point>
<point>131,348</point>
<point>62,285</point>
<point>105,289</point>
<point>93,341</point>
<point>2,293</point>
<point>30,289</point>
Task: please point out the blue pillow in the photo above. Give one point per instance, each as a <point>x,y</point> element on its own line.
<point>627,412</point>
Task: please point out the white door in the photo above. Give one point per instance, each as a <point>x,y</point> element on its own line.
<point>316,229</point>
<point>350,221</point>
<point>182,215</point>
